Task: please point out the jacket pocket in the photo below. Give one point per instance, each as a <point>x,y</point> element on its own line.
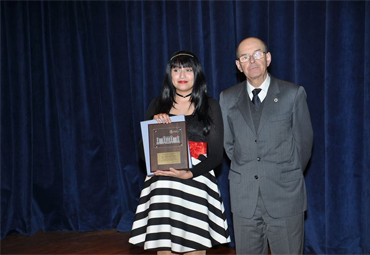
<point>291,175</point>
<point>274,118</point>
<point>234,176</point>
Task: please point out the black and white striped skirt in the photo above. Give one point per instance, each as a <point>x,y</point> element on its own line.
<point>180,215</point>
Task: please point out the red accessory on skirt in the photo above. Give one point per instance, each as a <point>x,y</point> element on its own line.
<point>197,148</point>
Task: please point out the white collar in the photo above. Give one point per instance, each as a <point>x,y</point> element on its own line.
<point>264,88</point>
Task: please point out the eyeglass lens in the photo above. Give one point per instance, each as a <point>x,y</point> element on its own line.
<point>256,55</point>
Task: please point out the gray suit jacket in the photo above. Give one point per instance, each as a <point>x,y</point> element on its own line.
<point>272,159</point>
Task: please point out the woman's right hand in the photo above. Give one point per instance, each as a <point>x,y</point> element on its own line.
<point>162,118</point>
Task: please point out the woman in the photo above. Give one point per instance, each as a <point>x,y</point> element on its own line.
<point>181,211</point>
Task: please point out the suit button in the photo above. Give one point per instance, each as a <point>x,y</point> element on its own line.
<point>258,159</point>
<point>256,177</point>
<point>255,141</point>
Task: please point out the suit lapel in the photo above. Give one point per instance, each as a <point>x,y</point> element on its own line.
<point>244,106</point>
<point>269,103</point>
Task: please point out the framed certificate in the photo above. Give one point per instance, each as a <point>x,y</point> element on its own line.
<point>145,138</point>
<point>168,146</point>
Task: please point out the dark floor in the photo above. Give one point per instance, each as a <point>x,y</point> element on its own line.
<point>72,242</point>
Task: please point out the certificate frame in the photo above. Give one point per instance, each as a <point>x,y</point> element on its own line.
<point>144,125</point>
<point>168,146</point>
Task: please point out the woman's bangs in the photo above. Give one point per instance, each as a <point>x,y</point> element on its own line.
<point>181,61</point>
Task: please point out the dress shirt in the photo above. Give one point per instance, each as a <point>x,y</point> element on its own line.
<point>264,86</point>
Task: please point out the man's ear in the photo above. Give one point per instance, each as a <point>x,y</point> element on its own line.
<point>238,65</point>
<point>268,58</point>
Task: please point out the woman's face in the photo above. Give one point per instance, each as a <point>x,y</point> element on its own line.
<point>182,79</point>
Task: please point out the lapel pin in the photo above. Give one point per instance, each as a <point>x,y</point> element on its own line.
<point>276,99</point>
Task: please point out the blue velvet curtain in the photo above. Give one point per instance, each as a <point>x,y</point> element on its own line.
<point>77,76</point>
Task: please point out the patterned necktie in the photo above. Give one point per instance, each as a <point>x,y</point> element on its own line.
<point>256,100</point>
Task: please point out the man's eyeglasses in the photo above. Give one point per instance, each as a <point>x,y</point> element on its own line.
<point>256,55</point>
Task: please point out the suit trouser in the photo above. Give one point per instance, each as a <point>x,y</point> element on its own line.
<point>254,235</point>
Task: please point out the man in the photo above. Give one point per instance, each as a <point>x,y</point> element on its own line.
<point>268,138</point>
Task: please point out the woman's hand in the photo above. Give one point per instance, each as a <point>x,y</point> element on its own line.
<point>162,118</point>
<point>172,172</point>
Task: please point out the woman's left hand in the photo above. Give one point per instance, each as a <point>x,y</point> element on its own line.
<point>172,172</point>
<point>162,118</point>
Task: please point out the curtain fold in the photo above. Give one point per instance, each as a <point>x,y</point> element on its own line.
<point>77,77</point>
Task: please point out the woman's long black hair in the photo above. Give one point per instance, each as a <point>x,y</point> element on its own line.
<point>199,96</point>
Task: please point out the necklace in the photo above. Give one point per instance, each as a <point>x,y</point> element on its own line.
<point>183,96</point>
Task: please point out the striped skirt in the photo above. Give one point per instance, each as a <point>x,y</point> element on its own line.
<point>180,215</point>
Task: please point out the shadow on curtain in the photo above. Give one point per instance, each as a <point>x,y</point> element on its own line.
<point>76,78</point>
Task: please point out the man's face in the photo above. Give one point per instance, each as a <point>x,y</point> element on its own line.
<point>254,69</point>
